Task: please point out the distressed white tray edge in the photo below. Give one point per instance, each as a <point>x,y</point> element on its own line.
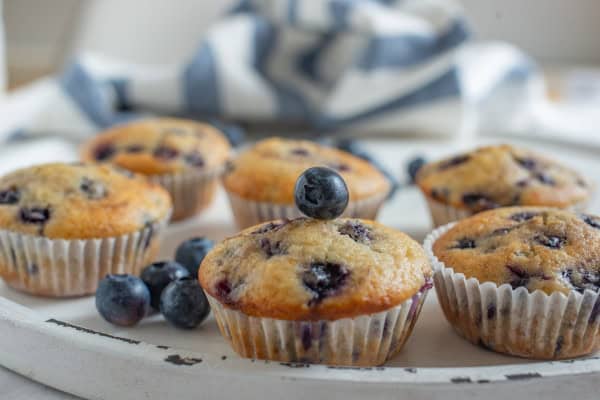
<point>143,370</point>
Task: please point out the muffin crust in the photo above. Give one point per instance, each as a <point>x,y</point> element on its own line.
<point>536,248</point>
<point>315,270</point>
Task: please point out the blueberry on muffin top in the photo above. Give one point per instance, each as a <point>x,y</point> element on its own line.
<point>536,248</point>
<point>79,201</point>
<point>268,171</point>
<point>500,176</point>
<point>307,269</point>
<point>160,146</point>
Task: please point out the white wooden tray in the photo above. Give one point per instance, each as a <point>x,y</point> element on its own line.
<point>66,345</point>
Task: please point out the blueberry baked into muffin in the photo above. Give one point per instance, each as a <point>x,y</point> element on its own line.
<point>522,280</point>
<point>65,226</point>
<point>185,157</point>
<point>260,181</point>
<point>499,176</point>
<point>333,291</point>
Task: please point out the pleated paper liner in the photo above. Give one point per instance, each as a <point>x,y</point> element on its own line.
<point>514,321</point>
<point>191,191</point>
<point>367,340</point>
<point>67,268</point>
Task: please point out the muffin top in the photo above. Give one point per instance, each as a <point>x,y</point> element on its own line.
<point>160,146</point>
<point>307,269</point>
<point>78,201</point>
<point>268,171</point>
<point>537,248</point>
<point>499,176</point>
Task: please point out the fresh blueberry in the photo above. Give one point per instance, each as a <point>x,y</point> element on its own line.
<point>234,133</point>
<point>10,196</point>
<point>191,253</point>
<point>158,275</point>
<point>122,299</point>
<point>321,193</point>
<point>414,166</point>
<point>184,304</point>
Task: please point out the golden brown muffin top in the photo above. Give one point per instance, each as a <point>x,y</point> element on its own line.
<point>268,171</point>
<point>78,201</point>
<point>500,176</point>
<point>537,248</point>
<point>160,146</point>
<point>308,269</point>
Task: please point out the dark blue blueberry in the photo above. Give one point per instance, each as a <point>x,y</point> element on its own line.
<point>465,243</point>
<point>527,163</point>
<point>324,279</point>
<point>523,216</point>
<point>519,277</point>
<point>134,148</point>
<point>184,304</point>
<point>122,299</point>
<point>478,201</point>
<point>270,226</point>
<point>234,133</point>
<point>191,253</point>
<point>10,196</point>
<point>551,241</point>
<point>414,166</point>
<point>592,221</point>
<point>166,153</point>
<point>453,162</point>
<point>357,231</point>
<point>158,275</point>
<point>581,279</point>
<point>271,248</point>
<point>35,215</point>
<point>195,159</point>
<point>321,193</point>
<point>545,179</point>
<point>93,190</point>
<point>104,151</point>
<point>299,151</point>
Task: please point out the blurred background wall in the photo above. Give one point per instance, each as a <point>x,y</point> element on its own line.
<point>41,35</point>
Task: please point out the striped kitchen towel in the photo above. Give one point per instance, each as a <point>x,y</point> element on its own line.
<point>363,65</point>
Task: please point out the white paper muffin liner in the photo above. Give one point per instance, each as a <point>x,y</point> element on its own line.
<point>514,321</point>
<point>367,340</point>
<point>249,213</point>
<point>191,191</point>
<point>442,214</point>
<point>66,268</point>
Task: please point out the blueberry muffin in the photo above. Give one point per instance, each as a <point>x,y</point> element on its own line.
<point>499,176</point>
<point>301,290</point>
<point>65,226</point>
<point>185,157</point>
<point>522,280</point>
<point>260,181</point>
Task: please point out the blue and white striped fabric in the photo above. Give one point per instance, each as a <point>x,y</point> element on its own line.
<point>385,66</point>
